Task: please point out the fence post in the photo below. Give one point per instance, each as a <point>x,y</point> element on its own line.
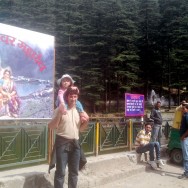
<point>97,139</point>
<point>50,143</point>
<point>142,121</point>
<point>130,134</point>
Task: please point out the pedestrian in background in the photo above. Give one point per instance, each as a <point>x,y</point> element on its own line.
<point>143,145</point>
<point>184,141</point>
<point>178,115</point>
<point>157,125</point>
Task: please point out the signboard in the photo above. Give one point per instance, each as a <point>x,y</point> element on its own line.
<point>26,73</point>
<point>134,104</point>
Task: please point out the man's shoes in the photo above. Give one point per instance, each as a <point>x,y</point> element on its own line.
<point>153,164</point>
<point>160,162</point>
<point>183,176</point>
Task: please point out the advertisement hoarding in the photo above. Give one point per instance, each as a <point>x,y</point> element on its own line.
<point>26,73</point>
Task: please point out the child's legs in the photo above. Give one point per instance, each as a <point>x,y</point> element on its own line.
<point>83,159</point>
<point>79,106</point>
<point>82,155</point>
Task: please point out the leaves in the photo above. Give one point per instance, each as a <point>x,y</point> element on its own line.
<point>111,47</point>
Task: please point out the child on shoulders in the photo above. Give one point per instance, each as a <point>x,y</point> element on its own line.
<point>64,82</point>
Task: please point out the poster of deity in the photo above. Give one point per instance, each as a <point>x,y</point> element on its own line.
<point>26,73</point>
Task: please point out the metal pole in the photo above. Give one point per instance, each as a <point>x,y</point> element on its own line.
<point>50,143</point>
<point>169,80</point>
<point>97,139</point>
<point>130,134</point>
<point>106,98</point>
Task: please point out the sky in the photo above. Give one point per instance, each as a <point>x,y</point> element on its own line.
<point>43,40</point>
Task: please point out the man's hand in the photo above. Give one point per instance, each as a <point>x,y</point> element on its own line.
<point>185,135</point>
<point>182,138</point>
<point>62,108</point>
<point>84,118</point>
<point>54,122</point>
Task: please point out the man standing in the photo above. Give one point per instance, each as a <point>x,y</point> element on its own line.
<point>184,141</point>
<point>178,115</point>
<point>67,148</point>
<point>157,118</point>
<point>143,145</point>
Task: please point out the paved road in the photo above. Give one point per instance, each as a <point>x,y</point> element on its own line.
<point>165,177</point>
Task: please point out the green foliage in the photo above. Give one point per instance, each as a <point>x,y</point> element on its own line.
<point>111,46</point>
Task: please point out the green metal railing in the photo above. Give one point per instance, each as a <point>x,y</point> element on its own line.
<point>28,141</point>
<point>87,139</point>
<point>113,134</point>
<point>22,142</point>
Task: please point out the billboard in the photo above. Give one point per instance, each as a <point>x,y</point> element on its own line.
<point>26,73</point>
<point>134,104</point>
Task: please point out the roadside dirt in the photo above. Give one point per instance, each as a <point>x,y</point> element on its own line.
<point>162,178</point>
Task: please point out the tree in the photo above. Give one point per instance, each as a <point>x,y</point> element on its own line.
<point>147,43</point>
<point>172,32</point>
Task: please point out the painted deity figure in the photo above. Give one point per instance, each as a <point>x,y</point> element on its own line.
<point>8,95</point>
